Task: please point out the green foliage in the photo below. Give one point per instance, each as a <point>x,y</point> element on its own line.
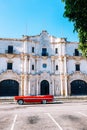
<point>83,48</point>
<point>76,11</point>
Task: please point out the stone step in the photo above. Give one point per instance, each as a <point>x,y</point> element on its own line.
<point>6,99</point>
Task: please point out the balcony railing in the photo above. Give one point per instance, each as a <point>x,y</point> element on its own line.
<point>44,54</point>
<point>79,54</point>
<point>13,52</point>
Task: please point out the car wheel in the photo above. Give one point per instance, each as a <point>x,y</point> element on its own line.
<point>44,102</point>
<point>20,102</point>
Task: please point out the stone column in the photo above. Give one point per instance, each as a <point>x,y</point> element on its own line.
<point>65,75</point>
<point>37,87</point>
<point>66,93</point>
<point>53,86</point>
<point>25,46</point>
<point>29,67</point>
<point>22,85</point>
<point>52,66</point>
<point>22,63</point>
<point>25,85</point>
<point>61,81</point>
<point>29,92</point>
<point>61,76</point>
<point>36,65</point>
<point>25,64</point>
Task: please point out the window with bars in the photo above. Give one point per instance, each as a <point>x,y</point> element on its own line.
<point>32,49</point>
<point>9,66</point>
<point>10,49</point>
<point>76,52</point>
<point>44,52</point>
<point>77,67</point>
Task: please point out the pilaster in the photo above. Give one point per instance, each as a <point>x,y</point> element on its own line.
<point>29,86</point>
<point>52,65</point>
<point>22,85</point>
<point>53,86</point>
<point>25,84</point>
<point>61,59</point>
<point>65,75</point>
<point>37,86</point>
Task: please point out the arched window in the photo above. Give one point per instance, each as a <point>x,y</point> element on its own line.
<point>56,67</point>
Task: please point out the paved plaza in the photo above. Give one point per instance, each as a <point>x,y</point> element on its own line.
<point>61,116</point>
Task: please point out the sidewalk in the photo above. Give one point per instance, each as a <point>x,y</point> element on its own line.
<point>70,99</point>
<point>57,99</point>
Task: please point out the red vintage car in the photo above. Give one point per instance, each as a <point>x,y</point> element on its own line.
<point>33,99</point>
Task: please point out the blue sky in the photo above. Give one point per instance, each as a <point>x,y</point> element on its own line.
<point>30,17</point>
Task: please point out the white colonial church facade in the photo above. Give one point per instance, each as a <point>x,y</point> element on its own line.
<point>40,65</point>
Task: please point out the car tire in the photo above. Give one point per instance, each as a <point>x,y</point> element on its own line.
<point>20,102</point>
<point>44,102</point>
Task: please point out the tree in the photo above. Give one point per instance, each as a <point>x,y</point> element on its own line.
<point>76,11</point>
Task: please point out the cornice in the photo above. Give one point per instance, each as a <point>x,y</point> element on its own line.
<point>54,57</point>
<point>72,42</point>
<point>11,39</point>
<point>77,58</point>
<point>77,73</point>
<point>11,72</point>
<point>9,56</point>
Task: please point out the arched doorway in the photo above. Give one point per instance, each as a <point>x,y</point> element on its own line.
<point>44,87</point>
<point>9,88</point>
<point>78,87</point>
